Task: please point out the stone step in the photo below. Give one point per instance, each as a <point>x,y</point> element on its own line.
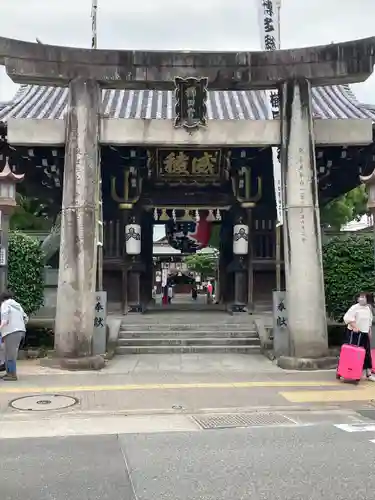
<point>186,334</point>
<point>244,327</point>
<point>178,341</point>
<point>218,349</point>
<point>186,319</point>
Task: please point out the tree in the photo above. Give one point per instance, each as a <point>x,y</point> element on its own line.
<point>29,215</point>
<point>348,270</point>
<point>348,207</point>
<point>51,243</point>
<point>203,263</point>
<point>26,270</point>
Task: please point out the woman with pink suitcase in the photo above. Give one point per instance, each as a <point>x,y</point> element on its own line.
<point>355,356</point>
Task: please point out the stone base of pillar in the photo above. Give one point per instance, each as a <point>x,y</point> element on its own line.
<point>89,363</point>
<point>307,364</point>
<point>310,345</point>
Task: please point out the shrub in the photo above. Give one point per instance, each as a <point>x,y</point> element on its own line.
<point>38,337</point>
<point>26,271</point>
<point>348,269</point>
<point>336,335</point>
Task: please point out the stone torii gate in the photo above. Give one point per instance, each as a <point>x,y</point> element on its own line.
<point>291,72</point>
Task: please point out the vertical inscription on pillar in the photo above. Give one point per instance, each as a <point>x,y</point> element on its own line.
<point>100,323</point>
<point>302,192</point>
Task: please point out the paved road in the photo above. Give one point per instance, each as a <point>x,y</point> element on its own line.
<point>290,462</point>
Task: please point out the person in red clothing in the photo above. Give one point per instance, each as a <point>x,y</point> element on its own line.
<point>209,289</point>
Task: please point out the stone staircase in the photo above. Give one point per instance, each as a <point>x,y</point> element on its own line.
<point>187,333</point>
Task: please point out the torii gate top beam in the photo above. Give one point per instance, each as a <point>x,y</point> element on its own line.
<point>332,64</point>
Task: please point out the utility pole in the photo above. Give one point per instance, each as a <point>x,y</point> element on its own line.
<point>269,28</point>
<point>278,10</point>
<point>278,226</point>
<point>94,34</point>
<point>99,236</point>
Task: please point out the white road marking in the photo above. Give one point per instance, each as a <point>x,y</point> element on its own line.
<point>358,427</point>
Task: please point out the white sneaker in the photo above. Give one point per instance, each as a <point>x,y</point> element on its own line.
<point>371,378</point>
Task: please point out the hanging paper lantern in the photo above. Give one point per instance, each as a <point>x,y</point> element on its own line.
<point>133,239</point>
<point>188,237</point>
<point>240,239</point>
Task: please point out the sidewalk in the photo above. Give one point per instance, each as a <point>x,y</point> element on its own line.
<point>187,383</point>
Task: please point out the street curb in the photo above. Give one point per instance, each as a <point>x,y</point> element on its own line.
<point>74,413</point>
<point>307,364</point>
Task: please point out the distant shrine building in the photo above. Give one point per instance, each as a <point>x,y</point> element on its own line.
<point>185,140</point>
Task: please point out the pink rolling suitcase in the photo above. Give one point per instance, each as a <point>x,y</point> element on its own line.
<point>351,361</point>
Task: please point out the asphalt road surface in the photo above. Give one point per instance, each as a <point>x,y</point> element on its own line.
<point>312,462</point>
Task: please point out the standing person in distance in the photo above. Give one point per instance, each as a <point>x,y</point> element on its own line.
<point>12,330</point>
<point>2,356</point>
<point>170,294</point>
<point>358,319</point>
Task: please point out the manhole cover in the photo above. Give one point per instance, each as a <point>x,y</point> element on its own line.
<point>45,402</point>
<point>240,420</point>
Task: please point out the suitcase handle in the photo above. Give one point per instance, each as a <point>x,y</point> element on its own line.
<point>351,338</point>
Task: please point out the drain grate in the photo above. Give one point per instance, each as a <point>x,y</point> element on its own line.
<point>44,402</point>
<point>223,421</point>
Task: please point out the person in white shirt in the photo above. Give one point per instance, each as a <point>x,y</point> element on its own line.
<point>12,331</point>
<point>170,294</point>
<point>358,319</point>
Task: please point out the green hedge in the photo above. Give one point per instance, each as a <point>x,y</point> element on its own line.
<point>26,271</point>
<point>348,270</point>
<point>336,335</point>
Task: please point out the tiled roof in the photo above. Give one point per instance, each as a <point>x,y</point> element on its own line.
<point>51,102</point>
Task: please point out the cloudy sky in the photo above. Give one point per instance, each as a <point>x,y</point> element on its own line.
<point>178,24</point>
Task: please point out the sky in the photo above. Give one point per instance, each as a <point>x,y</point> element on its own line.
<point>178,24</point>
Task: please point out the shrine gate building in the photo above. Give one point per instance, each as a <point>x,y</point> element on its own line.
<point>184,140</point>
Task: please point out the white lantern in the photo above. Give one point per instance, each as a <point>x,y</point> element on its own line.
<point>240,239</point>
<point>133,239</point>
